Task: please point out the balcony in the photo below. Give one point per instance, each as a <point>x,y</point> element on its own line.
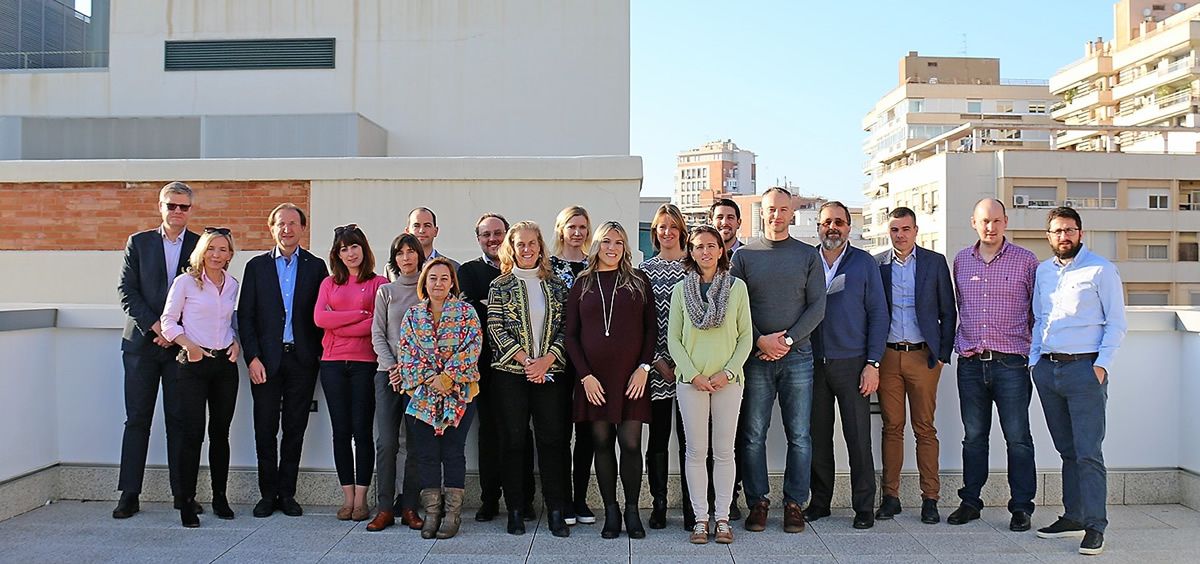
<point>1164,74</point>
<point>1157,110</point>
<point>1083,101</point>
<point>1084,70</point>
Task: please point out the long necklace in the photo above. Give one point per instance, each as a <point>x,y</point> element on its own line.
<point>604,307</point>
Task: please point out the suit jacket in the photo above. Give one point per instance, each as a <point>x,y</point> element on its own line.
<point>144,285</point>
<point>937,314</point>
<point>261,315</point>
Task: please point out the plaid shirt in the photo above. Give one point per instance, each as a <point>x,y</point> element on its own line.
<point>994,300</point>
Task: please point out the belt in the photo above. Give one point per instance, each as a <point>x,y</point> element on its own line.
<point>1063,357</point>
<point>289,347</point>
<point>906,347</point>
<point>989,356</point>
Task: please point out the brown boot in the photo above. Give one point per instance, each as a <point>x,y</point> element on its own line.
<point>757,520</point>
<point>382,520</point>
<point>431,500</point>
<point>453,516</point>
<point>411,520</point>
<point>793,518</point>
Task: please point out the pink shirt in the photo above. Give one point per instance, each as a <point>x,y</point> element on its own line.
<point>995,311</point>
<point>205,315</point>
<point>346,313</point>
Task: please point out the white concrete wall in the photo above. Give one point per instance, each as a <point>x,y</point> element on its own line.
<point>1189,392</point>
<point>28,418</point>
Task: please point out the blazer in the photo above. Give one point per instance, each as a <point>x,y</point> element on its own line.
<point>261,314</point>
<point>937,314</point>
<point>510,330</point>
<point>144,285</point>
<point>856,317</point>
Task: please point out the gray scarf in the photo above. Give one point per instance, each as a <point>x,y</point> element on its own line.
<point>711,314</point>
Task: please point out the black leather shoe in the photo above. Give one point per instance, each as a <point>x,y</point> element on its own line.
<point>863,520</point>
<point>1093,542</point>
<point>929,512</point>
<point>558,525</point>
<point>1019,522</point>
<point>196,507</point>
<point>528,512</point>
<point>633,523</point>
<point>612,522</point>
<point>264,508</point>
<point>658,514</point>
<point>888,508</point>
<point>963,515</point>
<point>516,525</point>
<point>289,507</point>
<point>220,506</point>
<point>187,513</point>
<point>487,511</point>
<point>812,513</point>
<point>127,506</point>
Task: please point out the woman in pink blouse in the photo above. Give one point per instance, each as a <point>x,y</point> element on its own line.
<point>198,316</point>
<point>345,310</point>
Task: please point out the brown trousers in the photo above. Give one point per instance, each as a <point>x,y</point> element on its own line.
<point>908,374</point>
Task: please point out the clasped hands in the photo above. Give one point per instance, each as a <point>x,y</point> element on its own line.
<point>634,390</point>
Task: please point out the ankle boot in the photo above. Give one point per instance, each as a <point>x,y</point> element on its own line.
<point>431,500</point>
<point>612,521</point>
<point>220,506</point>
<point>516,522</point>
<point>633,523</point>
<point>656,478</point>
<point>556,522</point>
<point>453,517</point>
<point>187,513</point>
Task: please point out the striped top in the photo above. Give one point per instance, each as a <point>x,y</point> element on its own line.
<point>663,275</point>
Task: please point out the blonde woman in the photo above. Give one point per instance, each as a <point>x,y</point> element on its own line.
<point>610,339</point>
<point>525,326</point>
<point>199,318</point>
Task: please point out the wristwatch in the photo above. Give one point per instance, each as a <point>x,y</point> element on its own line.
<point>874,363</point>
<point>645,368</point>
<point>728,374</point>
<point>788,341</point>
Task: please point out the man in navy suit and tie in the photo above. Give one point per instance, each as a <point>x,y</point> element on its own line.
<point>920,298</point>
<point>153,259</point>
<point>282,347</point>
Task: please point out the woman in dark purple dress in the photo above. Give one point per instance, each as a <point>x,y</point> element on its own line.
<point>610,335</point>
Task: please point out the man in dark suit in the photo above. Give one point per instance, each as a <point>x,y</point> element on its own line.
<point>920,299</point>
<point>282,347</point>
<point>153,259</point>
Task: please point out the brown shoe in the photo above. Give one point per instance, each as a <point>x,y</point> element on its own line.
<point>382,520</point>
<point>757,521</point>
<point>360,513</point>
<point>344,512</point>
<point>793,518</point>
<point>700,533</point>
<point>724,533</point>
<point>411,520</point>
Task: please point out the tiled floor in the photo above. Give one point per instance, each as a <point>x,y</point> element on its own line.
<point>82,531</point>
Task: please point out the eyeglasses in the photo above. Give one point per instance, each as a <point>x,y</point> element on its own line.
<point>217,230</point>
<point>490,234</point>
<point>180,207</point>
<point>344,228</point>
<point>1069,232</point>
<point>834,221</point>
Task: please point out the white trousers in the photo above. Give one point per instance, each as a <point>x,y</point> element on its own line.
<point>697,408</point>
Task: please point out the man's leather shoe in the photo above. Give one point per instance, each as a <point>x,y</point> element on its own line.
<point>382,520</point>
<point>127,506</point>
<point>757,520</point>
<point>1019,522</point>
<point>888,508</point>
<point>411,520</point>
<point>793,518</point>
<point>558,525</point>
<point>487,511</point>
<point>516,525</point>
<point>264,508</point>
<point>963,515</point>
<point>812,513</point>
<point>1092,543</point>
<point>929,512</point>
<point>196,507</point>
<point>289,507</point>
<point>187,513</point>
<point>220,506</point>
<point>863,520</point>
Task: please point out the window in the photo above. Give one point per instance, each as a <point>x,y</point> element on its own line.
<point>1146,299</point>
<point>1157,202</point>
<point>1035,196</point>
<point>916,105</point>
<point>1189,251</point>
<point>974,106</point>
<point>1103,243</point>
<point>1148,249</point>
<point>1037,107</point>
<point>1091,194</point>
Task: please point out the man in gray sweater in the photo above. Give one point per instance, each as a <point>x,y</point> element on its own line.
<point>787,300</point>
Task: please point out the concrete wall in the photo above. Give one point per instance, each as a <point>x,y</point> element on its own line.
<point>28,415</point>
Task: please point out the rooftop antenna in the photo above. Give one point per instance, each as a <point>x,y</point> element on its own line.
<point>964,45</point>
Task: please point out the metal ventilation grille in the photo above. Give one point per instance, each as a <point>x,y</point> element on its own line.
<point>250,54</point>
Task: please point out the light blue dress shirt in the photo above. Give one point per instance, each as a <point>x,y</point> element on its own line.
<point>1078,308</point>
<point>286,270</point>
<point>904,327</point>
<point>171,252</point>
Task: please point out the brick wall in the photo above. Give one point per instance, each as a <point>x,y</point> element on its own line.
<point>99,216</point>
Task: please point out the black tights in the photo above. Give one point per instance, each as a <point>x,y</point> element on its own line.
<point>605,434</point>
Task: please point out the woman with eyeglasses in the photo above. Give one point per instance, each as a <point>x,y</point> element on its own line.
<point>440,341</point>
<point>405,259</point>
<point>610,338</point>
<point>345,310</point>
<point>198,316</point>
<point>664,270</point>
<point>710,337</point>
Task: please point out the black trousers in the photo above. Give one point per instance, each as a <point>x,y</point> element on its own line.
<point>662,413</point>
<point>143,373</point>
<point>283,400</point>
<point>349,387</point>
<point>519,400</point>
<point>213,383</point>
<point>839,380</point>
<point>491,446</point>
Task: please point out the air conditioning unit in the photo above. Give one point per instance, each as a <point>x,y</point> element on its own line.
<point>1069,203</point>
<point>1020,201</point>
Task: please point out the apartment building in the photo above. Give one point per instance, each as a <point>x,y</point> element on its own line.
<point>718,169</point>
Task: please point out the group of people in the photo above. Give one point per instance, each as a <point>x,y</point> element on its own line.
<point>539,341</point>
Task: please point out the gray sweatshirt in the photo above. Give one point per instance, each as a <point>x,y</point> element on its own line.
<point>391,303</point>
<point>786,284</point>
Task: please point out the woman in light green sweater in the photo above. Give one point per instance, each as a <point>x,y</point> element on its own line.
<point>709,337</point>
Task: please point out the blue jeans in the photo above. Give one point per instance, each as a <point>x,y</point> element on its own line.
<point>1006,382</point>
<point>1074,403</point>
<point>791,379</point>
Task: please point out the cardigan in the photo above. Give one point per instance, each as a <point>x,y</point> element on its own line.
<point>452,355</point>
<point>346,312</point>
<point>509,329</point>
<point>709,351</point>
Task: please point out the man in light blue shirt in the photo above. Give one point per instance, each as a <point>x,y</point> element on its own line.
<point>1079,322</point>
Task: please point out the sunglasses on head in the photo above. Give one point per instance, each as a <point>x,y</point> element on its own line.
<point>217,230</point>
<point>344,228</point>
<point>180,207</point>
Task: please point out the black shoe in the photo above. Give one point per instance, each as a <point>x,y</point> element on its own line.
<point>528,512</point>
<point>187,513</point>
<point>1061,529</point>
<point>1093,543</point>
<point>558,525</point>
<point>689,517</point>
<point>220,506</point>
<point>612,521</point>
<point>863,520</point>
<point>929,512</point>
<point>1019,522</point>
<point>516,525</point>
<point>127,506</point>
<point>633,523</point>
<point>487,511</point>
<point>658,514</point>
<point>888,508</point>
<point>735,512</point>
<point>812,513</point>
<point>583,514</point>
<point>290,508</point>
<point>196,507</point>
<point>963,515</point>
<point>264,508</point>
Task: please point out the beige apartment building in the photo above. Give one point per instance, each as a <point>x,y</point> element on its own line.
<point>1147,75</point>
<point>718,169</point>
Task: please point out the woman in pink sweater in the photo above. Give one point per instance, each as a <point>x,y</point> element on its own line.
<point>345,310</point>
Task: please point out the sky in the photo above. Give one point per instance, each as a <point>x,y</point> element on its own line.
<point>792,84</point>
